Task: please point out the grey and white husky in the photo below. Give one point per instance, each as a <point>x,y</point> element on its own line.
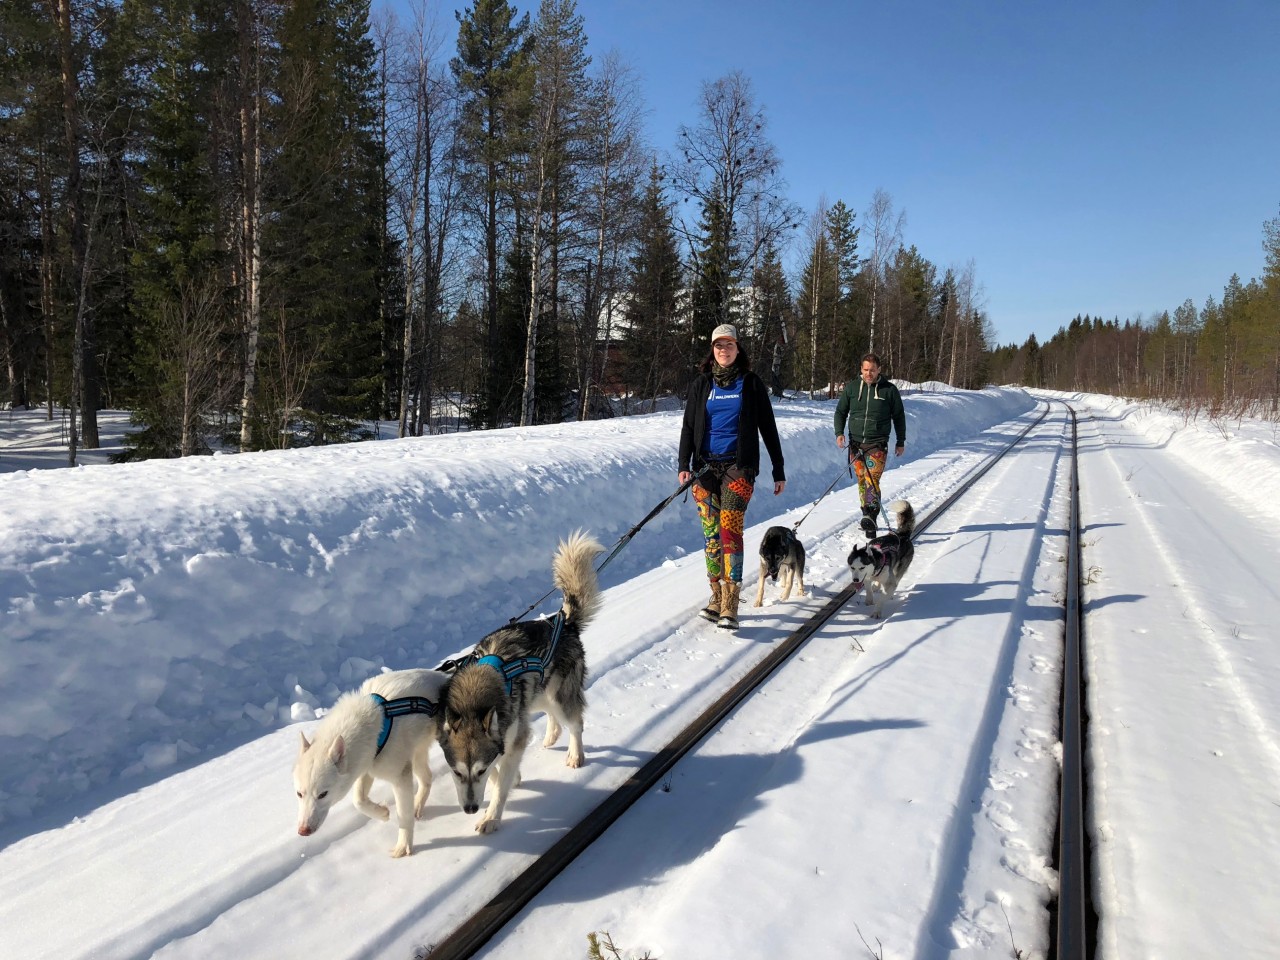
<point>383,731</point>
<point>879,564</point>
<point>781,552</point>
<point>511,674</point>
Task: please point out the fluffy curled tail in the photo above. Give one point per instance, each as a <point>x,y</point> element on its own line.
<point>573,571</point>
<point>906,518</point>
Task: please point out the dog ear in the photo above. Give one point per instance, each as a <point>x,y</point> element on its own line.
<point>338,751</point>
<point>491,722</point>
<point>306,744</point>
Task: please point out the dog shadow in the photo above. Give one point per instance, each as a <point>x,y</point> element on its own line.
<point>652,838</point>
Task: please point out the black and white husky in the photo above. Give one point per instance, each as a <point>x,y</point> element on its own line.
<point>879,564</point>
<point>781,552</point>
<point>513,673</point>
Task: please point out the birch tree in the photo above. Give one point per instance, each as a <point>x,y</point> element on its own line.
<point>886,236</point>
<point>84,377</point>
<point>559,63</point>
<point>248,247</point>
<point>728,167</point>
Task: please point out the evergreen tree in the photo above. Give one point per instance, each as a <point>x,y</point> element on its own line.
<point>29,111</point>
<point>492,70</point>
<point>654,348</point>
<point>819,292</point>
<point>773,321</point>
<point>715,264</point>
<point>842,335</point>
<point>179,249</point>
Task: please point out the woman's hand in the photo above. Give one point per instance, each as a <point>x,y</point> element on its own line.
<point>779,486</point>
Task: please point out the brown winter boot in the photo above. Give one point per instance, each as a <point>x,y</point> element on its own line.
<point>712,610</point>
<point>729,606</point>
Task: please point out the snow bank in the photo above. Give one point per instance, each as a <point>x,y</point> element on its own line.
<point>160,611</point>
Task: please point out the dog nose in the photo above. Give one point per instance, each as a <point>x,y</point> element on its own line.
<point>471,808</point>
<point>304,830</point>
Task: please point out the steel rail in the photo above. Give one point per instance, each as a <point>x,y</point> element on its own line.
<point>478,929</point>
<point>1075,920</point>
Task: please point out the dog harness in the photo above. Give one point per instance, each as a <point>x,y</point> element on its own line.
<point>885,554</point>
<point>511,670</point>
<point>400,707</point>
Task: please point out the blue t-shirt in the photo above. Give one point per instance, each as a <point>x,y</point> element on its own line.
<point>724,405</point>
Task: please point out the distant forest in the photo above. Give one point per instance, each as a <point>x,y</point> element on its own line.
<point>1223,359</point>
<point>259,224</point>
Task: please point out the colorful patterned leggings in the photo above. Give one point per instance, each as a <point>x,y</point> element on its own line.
<point>869,479</point>
<point>722,494</point>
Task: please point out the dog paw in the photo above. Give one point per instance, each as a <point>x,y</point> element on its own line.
<point>377,811</point>
<point>420,810</point>
<point>575,761</point>
<point>402,850</point>
<point>487,826</point>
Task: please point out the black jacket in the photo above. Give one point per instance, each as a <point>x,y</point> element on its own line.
<point>755,421</point>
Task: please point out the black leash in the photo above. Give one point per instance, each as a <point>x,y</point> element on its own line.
<point>453,664</point>
<point>843,470</point>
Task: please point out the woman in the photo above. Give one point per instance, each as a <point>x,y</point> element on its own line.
<point>727,414</point>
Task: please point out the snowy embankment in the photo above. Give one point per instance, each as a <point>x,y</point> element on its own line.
<point>1247,465</point>
<point>159,612</point>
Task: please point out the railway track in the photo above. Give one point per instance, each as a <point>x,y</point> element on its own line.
<point>1071,917</point>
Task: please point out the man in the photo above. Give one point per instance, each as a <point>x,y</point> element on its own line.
<point>869,405</point>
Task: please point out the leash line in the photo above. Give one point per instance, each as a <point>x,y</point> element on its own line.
<point>454,663</point>
<point>832,486</point>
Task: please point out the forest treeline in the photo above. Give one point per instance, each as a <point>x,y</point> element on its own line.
<point>267,223</point>
<point>261,223</point>
<point>1222,359</point>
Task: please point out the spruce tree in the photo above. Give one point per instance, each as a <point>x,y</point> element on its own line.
<point>715,264</point>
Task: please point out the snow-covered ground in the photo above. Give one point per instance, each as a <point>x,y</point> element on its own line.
<point>169,627</point>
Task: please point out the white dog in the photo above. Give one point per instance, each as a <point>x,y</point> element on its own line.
<point>384,731</point>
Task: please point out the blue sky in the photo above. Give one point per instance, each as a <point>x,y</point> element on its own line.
<point>1104,158</point>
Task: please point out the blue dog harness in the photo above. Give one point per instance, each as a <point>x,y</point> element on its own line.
<point>400,707</point>
<point>511,670</point>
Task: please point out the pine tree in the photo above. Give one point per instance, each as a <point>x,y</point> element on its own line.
<point>654,349</point>
<point>492,70</point>
<point>179,258</point>
<point>842,339</point>
<point>329,265</point>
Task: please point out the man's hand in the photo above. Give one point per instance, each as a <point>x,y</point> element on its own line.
<point>684,477</point>
<point>897,451</point>
<point>840,440</point>
<point>779,486</point>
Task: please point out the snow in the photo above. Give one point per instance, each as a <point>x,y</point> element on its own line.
<point>169,627</point>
